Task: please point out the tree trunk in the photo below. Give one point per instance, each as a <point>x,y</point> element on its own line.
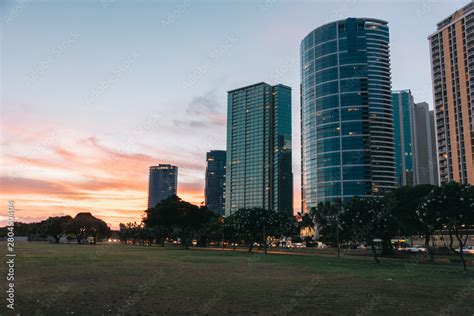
<point>374,253</point>
<point>461,252</point>
<point>429,251</point>
<point>251,247</point>
<point>185,243</point>
<point>463,260</point>
<point>387,248</point>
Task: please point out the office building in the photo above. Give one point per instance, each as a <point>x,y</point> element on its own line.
<point>426,162</point>
<point>403,122</point>
<point>215,181</point>
<point>346,112</point>
<point>258,172</point>
<point>162,183</point>
<point>452,61</point>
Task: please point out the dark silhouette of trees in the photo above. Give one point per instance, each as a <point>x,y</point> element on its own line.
<point>178,218</point>
<point>451,207</point>
<point>331,224</point>
<point>368,220</point>
<point>86,225</point>
<point>430,217</point>
<point>256,224</point>
<point>55,227</point>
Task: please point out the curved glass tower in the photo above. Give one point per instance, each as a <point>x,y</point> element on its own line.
<point>346,112</point>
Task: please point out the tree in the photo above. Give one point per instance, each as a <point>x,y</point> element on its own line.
<point>133,232</point>
<point>403,204</point>
<point>451,207</point>
<point>256,224</point>
<point>431,215</point>
<point>123,232</point>
<point>55,226</point>
<point>86,225</point>
<point>368,220</point>
<point>23,229</point>
<point>305,223</point>
<point>330,218</point>
<point>186,220</point>
<point>229,231</point>
<point>195,223</point>
<point>460,220</point>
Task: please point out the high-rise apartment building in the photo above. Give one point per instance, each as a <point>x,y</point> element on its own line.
<point>162,183</point>
<point>346,112</point>
<point>403,122</point>
<point>452,61</point>
<point>258,172</point>
<point>215,181</point>
<point>426,161</point>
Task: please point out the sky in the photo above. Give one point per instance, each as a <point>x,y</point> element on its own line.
<point>95,92</point>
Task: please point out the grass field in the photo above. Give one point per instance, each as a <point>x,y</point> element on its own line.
<point>139,280</point>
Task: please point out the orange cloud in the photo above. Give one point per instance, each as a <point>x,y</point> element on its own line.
<point>88,176</point>
<point>57,172</point>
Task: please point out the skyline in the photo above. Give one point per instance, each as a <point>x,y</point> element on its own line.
<point>84,97</point>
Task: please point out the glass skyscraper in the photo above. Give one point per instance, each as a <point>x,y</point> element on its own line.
<point>346,112</point>
<point>215,181</point>
<point>403,120</point>
<point>162,183</point>
<point>258,172</point>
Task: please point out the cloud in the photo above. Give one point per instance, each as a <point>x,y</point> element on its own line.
<point>10,186</point>
<point>203,105</point>
<point>64,153</point>
<point>205,111</point>
<point>77,171</point>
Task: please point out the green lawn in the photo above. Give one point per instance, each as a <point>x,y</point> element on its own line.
<point>117,279</point>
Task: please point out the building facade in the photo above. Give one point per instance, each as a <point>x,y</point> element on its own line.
<point>452,61</point>
<point>346,112</point>
<point>215,181</point>
<point>426,161</point>
<point>258,171</point>
<point>403,122</point>
<point>162,183</point>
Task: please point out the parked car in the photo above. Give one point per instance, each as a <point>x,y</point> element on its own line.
<point>467,249</point>
<point>414,249</point>
<point>298,245</point>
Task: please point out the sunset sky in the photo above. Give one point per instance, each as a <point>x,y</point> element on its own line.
<point>94,92</point>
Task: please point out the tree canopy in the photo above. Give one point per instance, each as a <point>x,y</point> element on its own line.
<point>86,225</point>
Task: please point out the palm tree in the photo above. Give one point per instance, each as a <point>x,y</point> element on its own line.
<point>305,224</point>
